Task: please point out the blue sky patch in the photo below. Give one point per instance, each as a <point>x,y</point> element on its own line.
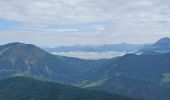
<point>8,25</point>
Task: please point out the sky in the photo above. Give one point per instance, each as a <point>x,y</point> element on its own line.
<point>50,23</point>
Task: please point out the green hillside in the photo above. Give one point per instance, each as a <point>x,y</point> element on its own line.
<point>22,88</point>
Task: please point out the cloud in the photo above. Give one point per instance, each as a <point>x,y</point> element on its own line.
<point>59,22</point>
<point>92,55</point>
<point>82,11</point>
<point>54,11</point>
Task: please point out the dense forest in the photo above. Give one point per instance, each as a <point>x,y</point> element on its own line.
<point>23,88</point>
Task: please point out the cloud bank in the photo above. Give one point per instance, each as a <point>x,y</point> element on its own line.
<point>63,22</point>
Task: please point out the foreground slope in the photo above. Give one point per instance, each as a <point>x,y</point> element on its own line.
<point>22,88</point>
<point>130,87</point>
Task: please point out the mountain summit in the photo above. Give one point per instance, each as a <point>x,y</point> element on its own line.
<point>21,50</point>
<point>163,42</point>
<point>162,45</point>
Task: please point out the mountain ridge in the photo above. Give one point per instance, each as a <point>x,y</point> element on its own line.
<point>15,60</point>
<point>96,48</point>
<point>162,45</point>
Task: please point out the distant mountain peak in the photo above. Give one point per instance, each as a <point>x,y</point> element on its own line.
<point>162,45</point>
<point>163,41</point>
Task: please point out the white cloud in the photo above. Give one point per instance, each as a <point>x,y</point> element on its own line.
<point>82,11</point>
<point>133,21</point>
<point>53,11</point>
<point>92,55</point>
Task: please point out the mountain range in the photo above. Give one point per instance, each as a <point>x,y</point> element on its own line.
<point>145,76</point>
<point>123,47</point>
